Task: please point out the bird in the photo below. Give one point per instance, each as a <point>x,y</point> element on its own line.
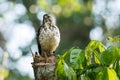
<point>48,37</point>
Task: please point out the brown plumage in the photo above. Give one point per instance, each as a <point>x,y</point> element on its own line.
<point>48,37</point>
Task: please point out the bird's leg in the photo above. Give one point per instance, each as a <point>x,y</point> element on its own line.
<point>46,58</point>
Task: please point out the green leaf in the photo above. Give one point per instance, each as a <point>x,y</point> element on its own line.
<point>112,74</point>
<point>109,56</point>
<point>98,69</point>
<point>119,52</point>
<point>94,44</point>
<point>65,56</point>
<point>84,77</point>
<point>118,70</point>
<point>95,47</point>
<point>96,57</point>
<point>60,69</point>
<point>76,58</point>
<point>107,74</point>
<point>70,74</point>
<point>64,72</point>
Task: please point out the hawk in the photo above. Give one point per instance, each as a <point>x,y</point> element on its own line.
<point>48,37</point>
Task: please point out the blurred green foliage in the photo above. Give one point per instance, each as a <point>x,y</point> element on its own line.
<point>14,75</point>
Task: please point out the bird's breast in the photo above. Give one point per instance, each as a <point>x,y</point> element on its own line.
<point>49,38</point>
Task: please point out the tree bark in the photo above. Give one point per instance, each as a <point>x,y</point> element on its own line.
<point>44,70</point>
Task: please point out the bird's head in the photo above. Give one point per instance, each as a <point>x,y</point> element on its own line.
<point>47,19</point>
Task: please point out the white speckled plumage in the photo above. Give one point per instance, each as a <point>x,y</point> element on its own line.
<point>49,38</point>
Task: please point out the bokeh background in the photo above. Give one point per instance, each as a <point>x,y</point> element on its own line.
<point>79,22</point>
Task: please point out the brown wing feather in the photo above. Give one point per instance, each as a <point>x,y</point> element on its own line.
<point>38,43</point>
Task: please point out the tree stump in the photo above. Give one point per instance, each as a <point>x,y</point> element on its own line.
<point>43,70</point>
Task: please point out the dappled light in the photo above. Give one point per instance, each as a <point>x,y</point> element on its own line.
<point>96,33</point>
<point>79,21</point>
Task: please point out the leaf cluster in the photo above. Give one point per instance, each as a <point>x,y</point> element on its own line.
<point>95,62</point>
